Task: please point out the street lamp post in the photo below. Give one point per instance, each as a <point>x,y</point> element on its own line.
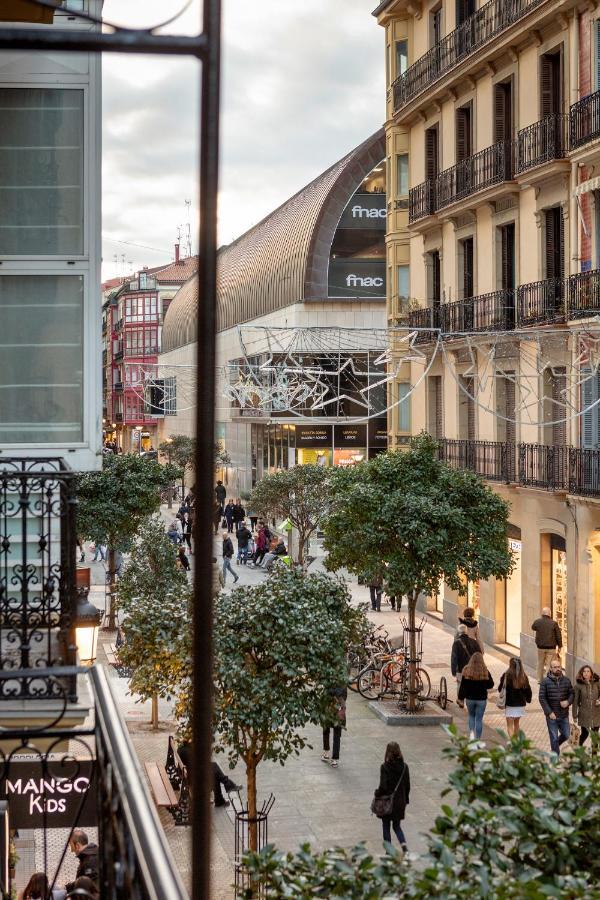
<point>169,441</point>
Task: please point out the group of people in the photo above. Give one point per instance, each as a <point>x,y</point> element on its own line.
<point>180,531</point>
<point>257,549</point>
<point>557,695</point>
<point>86,877</point>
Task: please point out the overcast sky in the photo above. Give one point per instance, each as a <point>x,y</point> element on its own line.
<point>303,83</point>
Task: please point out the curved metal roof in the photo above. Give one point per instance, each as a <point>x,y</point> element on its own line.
<point>282,260</point>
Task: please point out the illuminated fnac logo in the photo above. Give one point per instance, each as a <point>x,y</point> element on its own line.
<point>366,281</point>
<point>366,212</point>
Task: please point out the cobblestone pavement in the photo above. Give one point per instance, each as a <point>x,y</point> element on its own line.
<point>313,801</point>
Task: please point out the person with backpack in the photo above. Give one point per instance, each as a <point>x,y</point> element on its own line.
<point>463,649</point>
<point>334,719</point>
<point>471,624</point>
<point>391,797</point>
<point>514,689</point>
<point>475,683</point>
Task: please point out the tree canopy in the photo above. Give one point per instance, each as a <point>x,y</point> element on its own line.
<point>523,827</point>
<point>279,648</point>
<point>155,597</point>
<point>299,494</point>
<point>410,519</point>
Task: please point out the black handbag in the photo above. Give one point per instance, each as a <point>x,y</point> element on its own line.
<point>383,807</point>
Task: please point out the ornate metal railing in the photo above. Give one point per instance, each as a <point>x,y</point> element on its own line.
<point>429,317</point>
<point>541,302</point>
<point>544,467</point>
<point>583,295</point>
<point>482,170</point>
<point>486,312</point>
<point>541,142</point>
<point>493,460</point>
<point>584,472</point>
<point>421,201</point>
<point>37,573</point>
<point>480,28</point>
<point>56,776</point>
<point>584,120</point>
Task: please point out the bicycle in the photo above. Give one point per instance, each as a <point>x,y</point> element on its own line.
<point>360,655</point>
<point>391,678</point>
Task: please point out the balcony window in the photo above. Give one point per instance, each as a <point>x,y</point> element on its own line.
<point>404,406</point>
<point>41,172</point>
<point>41,359</point>
<point>401,57</point>
<point>403,287</point>
<point>402,174</point>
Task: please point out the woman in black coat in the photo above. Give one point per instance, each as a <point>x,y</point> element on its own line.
<point>394,779</point>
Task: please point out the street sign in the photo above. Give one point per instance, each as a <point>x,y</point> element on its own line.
<point>52,793</point>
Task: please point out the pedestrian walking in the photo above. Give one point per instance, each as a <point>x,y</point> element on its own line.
<point>586,702</point>
<point>220,494</point>
<point>228,515</point>
<point>471,624</point>
<point>262,542</point>
<point>548,640</point>
<point>463,649</point>
<point>243,539</point>
<point>475,683</point>
<point>227,557</point>
<point>81,548</point>
<point>392,795</point>
<point>99,552</point>
<point>188,530</point>
<point>517,694</point>
<point>174,531</point>
<point>375,589</point>
<point>182,558</point>
<point>217,516</point>
<point>556,696</point>
<point>335,720</point>
<point>239,514</point>
<point>220,779</point>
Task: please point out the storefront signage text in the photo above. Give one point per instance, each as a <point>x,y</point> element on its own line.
<point>39,795</point>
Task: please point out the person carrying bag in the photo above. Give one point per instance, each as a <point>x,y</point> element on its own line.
<point>391,797</point>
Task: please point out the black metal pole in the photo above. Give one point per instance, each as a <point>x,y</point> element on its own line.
<point>204,462</point>
<point>125,41</point>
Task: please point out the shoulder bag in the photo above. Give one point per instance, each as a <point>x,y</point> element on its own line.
<point>501,701</point>
<point>383,806</point>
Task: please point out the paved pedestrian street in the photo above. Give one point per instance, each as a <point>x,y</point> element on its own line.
<point>314,802</point>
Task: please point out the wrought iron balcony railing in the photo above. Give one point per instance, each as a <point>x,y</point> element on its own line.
<point>485,24</point>
<point>484,169</point>
<point>541,142</point>
<point>541,302</point>
<point>421,201</point>
<point>486,312</point>
<point>551,468</point>
<point>584,121</point>
<point>583,296</point>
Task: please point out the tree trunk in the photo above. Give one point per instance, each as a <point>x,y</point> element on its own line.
<point>252,823</point>
<point>154,713</point>
<point>170,497</point>
<point>412,649</point>
<point>301,543</point>
<point>112,609</point>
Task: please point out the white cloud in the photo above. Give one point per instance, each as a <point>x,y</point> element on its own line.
<point>302,85</point>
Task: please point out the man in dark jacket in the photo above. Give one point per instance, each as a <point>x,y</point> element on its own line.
<point>463,649</point>
<point>243,538</point>
<point>220,493</point>
<point>227,556</point>
<point>556,695</point>
<point>87,854</point>
<point>548,640</point>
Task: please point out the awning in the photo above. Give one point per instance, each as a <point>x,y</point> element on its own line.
<point>592,184</point>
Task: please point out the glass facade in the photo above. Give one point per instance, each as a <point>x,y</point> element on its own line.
<point>41,358</point>
<point>41,172</point>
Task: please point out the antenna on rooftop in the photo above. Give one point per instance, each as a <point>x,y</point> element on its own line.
<point>188,229</point>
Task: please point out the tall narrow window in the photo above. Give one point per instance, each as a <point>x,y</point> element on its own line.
<point>41,172</point>
<point>550,84</point>
<point>466,265</point>
<point>466,408</point>
<point>431,153</point>
<point>590,420</point>
<point>402,174</point>
<point>436,26</point>
<point>597,54</point>
<point>503,124</point>
<point>401,57</point>
<point>464,9</point>
<point>505,407</point>
<point>435,425</point>
<point>464,132</point>
<point>403,288</point>
<point>404,406</point>
<point>554,243</point>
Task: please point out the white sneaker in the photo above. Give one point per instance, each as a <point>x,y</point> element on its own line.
<point>325,757</point>
<point>471,735</point>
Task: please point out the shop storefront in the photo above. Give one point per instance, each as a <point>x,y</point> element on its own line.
<point>558,575</point>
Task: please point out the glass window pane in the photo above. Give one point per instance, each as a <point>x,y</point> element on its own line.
<point>41,358</point>
<point>403,406</point>
<point>402,174</point>
<point>403,286</point>
<point>41,172</point>
<point>401,57</point>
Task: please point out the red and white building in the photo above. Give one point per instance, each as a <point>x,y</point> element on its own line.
<point>133,314</point>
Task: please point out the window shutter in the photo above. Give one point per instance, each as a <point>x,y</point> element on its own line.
<point>550,243</point>
<point>590,420</point>
<point>558,387</point>
<point>561,243</point>
<point>461,135</point>
<point>508,257</point>
<point>509,409</point>
<point>597,52</point>
<point>436,286</point>
<point>500,113</point>
<point>467,268</point>
<point>546,106</point>
<point>431,154</point>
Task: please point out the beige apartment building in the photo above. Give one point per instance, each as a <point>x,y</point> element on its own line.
<point>493,145</point>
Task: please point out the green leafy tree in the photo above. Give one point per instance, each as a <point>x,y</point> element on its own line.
<point>279,648</point>
<point>299,494</point>
<point>155,597</point>
<point>181,450</point>
<point>523,828</point>
<point>408,518</point>
<point>113,502</point>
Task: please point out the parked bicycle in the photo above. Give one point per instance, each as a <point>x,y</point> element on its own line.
<point>359,656</point>
<point>388,676</point>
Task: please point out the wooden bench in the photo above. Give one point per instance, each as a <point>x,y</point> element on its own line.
<point>177,774</point>
<point>163,793</point>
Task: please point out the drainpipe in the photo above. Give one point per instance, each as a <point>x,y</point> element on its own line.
<point>573,181</point>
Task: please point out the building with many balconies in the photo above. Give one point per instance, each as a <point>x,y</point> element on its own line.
<point>495,111</point>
